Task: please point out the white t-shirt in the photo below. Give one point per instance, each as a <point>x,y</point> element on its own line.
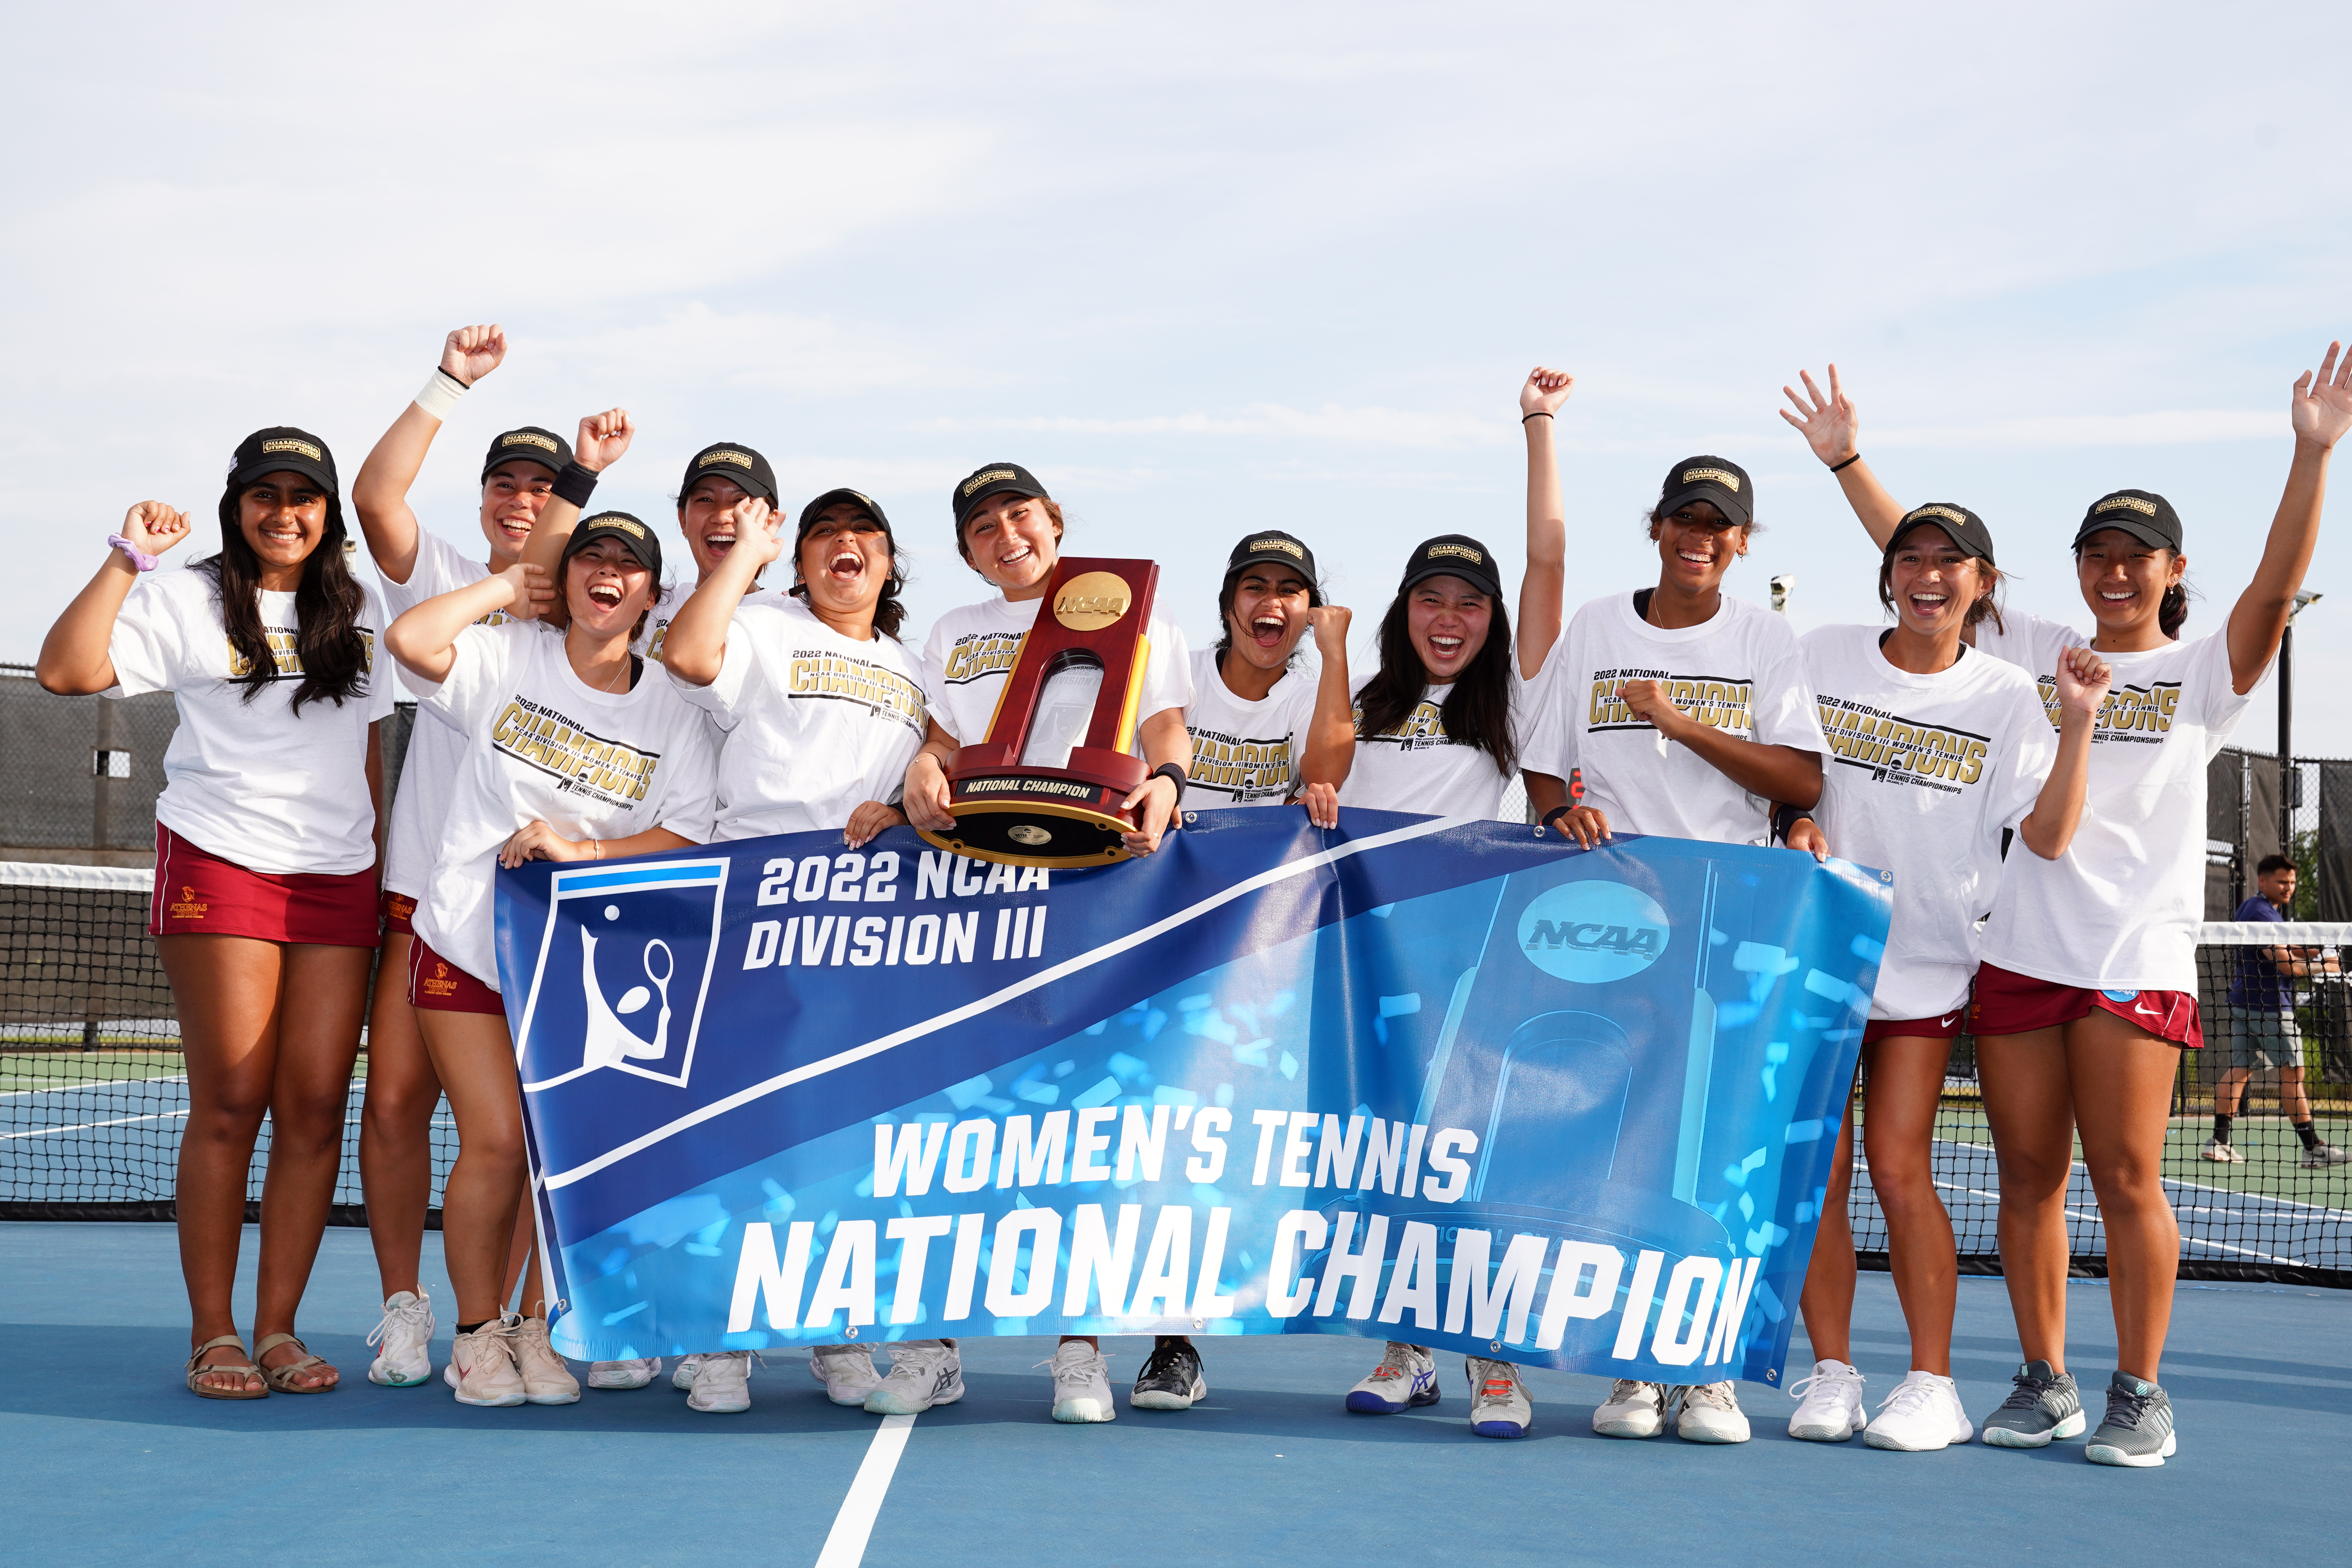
<point>421,804</point>
<point>1413,766</point>
<point>2033,646</point>
<point>543,745</point>
<point>816,724</point>
<point>1923,774</point>
<point>2120,909</point>
<point>1245,752</point>
<point>657,619</point>
<point>1739,670</point>
<point>253,783</point>
<point>972,649</point>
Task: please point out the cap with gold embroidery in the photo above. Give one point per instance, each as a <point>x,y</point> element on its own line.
<point>1272,547</point>
<point>1967,528</point>
<point>2145,515</point>
<point>531,445</point>
<point>1454,555</point>
<point>733,461</point>
<point>991,479</point>
<point>1720,481</point>
<point>628,530</point>
<point>282,448</point>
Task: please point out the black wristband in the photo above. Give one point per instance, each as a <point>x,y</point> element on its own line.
<point>1538,414</point>
<point>1784,822</point>
<point>576,485</point>
<point>1554,814</point>
<point>1172,771</point>
<point>1849,463</point>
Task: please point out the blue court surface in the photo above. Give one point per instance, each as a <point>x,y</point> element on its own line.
<point>107,1458</point>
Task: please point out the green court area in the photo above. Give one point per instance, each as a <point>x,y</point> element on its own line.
<point>2273,1166</point>
<point>26,1070</point>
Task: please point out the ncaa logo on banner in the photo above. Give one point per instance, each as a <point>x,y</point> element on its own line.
<point>1594,932</point>
<point>622,970</point>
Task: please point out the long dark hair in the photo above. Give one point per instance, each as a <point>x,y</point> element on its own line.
<point>327,606</point>
<point>1477,710</point>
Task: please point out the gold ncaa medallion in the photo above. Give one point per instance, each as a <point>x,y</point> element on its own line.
<point>1028,834</point>
<point>1091,601</point>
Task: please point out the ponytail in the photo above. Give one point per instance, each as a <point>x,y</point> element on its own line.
<point>2174,610</point>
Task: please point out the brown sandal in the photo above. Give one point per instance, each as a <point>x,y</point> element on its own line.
<point>279,1377</point>
<point>196,1371</point>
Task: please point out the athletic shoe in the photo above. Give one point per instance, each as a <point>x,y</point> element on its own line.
<point>722,1384</point>
<point>2137,1429</point>
<point>1171,1378</point>
<point>545,1379</point>
<point>846,1371</point>
<point>1710,1414</point>
<point>1499,1405</point>
<point>1922,1414</point>
<point>1831,1409</point>
<point>622,1374</point>
<point>2042,1404</point>
<point>1633,1410</point>
<point>923,1373</point>
<point>1081,1384</point>
<point>2220,1153</point>
<point>405,1335</point>
<point>484,1362</point>
<point>1406,1376</point>
<point>683,1378</point>
<point>2323,1155</point>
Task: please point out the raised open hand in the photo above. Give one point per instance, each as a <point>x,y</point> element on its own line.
<point>1544,391</point>
<point>152,527</point>
<point>2083,681</point>
<point>2323,405</point>
<point>1829,424</point>
<point>759,530</point>
<point>471,353</point>
<point>602,438</point>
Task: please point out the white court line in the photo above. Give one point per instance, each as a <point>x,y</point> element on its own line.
<point>2187,1239</point>
<point>2182,1181</point>
<point>86,1126</point>
<point>844,1544</point>
<point>93,1083</point>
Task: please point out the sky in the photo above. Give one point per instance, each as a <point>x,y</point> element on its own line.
<point>1204,268</point>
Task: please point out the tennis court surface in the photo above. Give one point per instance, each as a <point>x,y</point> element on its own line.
<point>110,1459</point>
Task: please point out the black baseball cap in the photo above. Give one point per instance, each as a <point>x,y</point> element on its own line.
<point>1967,528</point>
<point>1453,555</point>
<point>2145,515</point>
<point>858,499</point>
<point>1716,479</point>
<point>282,448</point>
<point>639,540</point>
<point>991,480</point>
<point>1272,546</point>
<point>527,444</point>
<point>732,460</point>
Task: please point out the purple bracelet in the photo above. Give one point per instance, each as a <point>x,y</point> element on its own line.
<point>132,552</point>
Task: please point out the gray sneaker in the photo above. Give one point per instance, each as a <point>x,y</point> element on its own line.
<point>2321,1155</point>
<point>2040,1405</point>
<point>2138,1429</point>
<point>1499,1405</point>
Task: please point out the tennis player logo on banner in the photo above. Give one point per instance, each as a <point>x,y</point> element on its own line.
<point>624,963</point>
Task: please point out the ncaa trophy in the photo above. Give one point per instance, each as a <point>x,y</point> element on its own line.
<point>1045,786</point>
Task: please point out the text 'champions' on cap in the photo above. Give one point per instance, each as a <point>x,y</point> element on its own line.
<point>530,444</point>
<point>732,461</point>
<point>1718,481</point>
<point>2145,515</point>
<point>627,528</point>
<point>282,448</point>
<point>991,480</point>
<point>1967,529</point>
<point>1454,555</point>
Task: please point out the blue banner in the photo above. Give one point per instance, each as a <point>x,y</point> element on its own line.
<point>1450,1082</point>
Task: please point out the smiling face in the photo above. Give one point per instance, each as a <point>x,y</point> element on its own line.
<point>1268,616</point>
<point>512,499</point>
<point>2124,578</point>
<point>702,515</point>
<point>844,559</point>
<point>1934,582</point>
<point>1447,620</point>
<point>1013,542</point>
<point>606,588</point>
<point>1696,545</point>
<point>283,517</point>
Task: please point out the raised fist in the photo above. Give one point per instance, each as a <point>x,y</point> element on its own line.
<point>1330,625</point>
<point>602,438</point>
<point>1544,391</point>
<point>2083,681</point>
<point>152,527</point>
<point>471,353</point>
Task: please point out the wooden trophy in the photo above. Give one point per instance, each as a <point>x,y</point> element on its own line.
<point>1045,786</point>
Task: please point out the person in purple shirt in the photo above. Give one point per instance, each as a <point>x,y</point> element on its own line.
<point>2262,1028</point>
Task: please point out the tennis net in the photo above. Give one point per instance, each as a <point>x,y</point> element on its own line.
<point>93,1087</point>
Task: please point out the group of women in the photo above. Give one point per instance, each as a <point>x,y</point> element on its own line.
<point>2036,790</point>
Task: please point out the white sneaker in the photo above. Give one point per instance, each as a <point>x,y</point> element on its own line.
<point>1633,1410</point>
<point>2220,1153</point>
<point>1831,1409</point>
<point>1406,1376</point>
<point>484,1364</point>
<point>846,1371</point>
<point>683,1378</point>
<point>1081,1384</point>
<point>923,1373</point>
<point>545,1379</point>
<point>1499,1405</point>
<point>1710,1414</point>
<point>405,1338</point>
<point>622,1374</point>
<point>722,1383</point>
<point>1921,1415</point>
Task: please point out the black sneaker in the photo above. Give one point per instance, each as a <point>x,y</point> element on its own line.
<point>1171,1378</point>
<point>2041,1405</point>
<point>2137,1430</point>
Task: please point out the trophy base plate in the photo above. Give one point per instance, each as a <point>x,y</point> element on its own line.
<point>1033,832</point>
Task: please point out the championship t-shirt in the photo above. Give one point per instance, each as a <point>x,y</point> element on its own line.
<point>816,724</point>
<point>421,804</point>
<point>1923,774</point>
<point>1413,766</point>
<point>254,783</point>
<point>651,640</point>
<point>2033,645</point>
<point>543,745</point>
<point>2259,982</point>
<point>2119,910</point>
<point>972,649</point>
<point>1245,752</point>
<point>1739,670</point>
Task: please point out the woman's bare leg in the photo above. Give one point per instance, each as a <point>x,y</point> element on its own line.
<point>1827,1302</point>
<point>396,1125</point>
<point>2029,1101</point>
<point>1907,1084</point>
<point>474,1057</point>
<point>2123,1085</point>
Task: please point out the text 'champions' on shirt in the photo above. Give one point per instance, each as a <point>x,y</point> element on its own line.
<point>1245,752</point>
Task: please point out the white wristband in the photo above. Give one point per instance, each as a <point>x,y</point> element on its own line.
<point>441,393</point>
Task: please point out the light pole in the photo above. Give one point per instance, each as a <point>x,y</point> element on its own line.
<point>1781,587</point>
<point>2290,777</point>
